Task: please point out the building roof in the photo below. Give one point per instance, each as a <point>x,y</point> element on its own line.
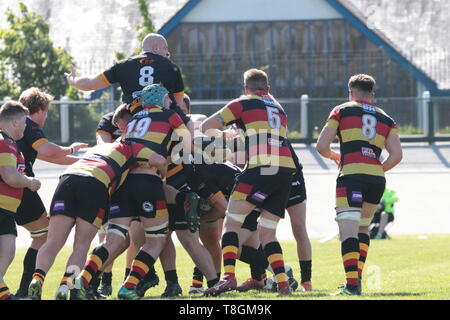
<point>421,53</point>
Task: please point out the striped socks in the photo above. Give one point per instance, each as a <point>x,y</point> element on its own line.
<point>230,247</point>
<point>95,261</point>
<point>197,278</point>
<point>141,265</point>
<point>275,256</point>
<point>350,258</point>
<point>39,275</point>
<point>364,242</point>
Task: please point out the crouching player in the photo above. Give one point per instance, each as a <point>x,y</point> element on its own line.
<point>100,171</point>
<point>12,182</point>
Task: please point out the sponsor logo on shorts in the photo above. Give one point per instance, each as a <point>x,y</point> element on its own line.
<point>58,206</point>
<point>259,196</point>
<point>114,209</point>
<point>296,183</point>
<point>367,152</point>
<point>294,197</point>
<point>369,108</point>
<point>356,196</point>
<point>147,206</point>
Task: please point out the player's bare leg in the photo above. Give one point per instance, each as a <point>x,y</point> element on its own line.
<point>58,230</point>
<point>297,215</point>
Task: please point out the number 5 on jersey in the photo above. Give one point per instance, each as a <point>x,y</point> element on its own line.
<point>138,128</point>
<point>146,76</point>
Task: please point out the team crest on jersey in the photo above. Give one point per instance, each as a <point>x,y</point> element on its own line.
<point>21,167</point>
<point>269,102</point>
<point>369,108</point>
<point>147,206</point>
<point>367,152</point>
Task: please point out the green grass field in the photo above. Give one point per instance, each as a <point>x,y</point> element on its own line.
<point>405,267</point>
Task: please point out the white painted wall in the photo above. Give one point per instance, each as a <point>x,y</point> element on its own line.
<point>261,10</point>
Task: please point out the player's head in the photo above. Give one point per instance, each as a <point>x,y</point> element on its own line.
<point>37,103</point>
<point>255,80</point>
<point>155,43</point>
<point>155,95</point>
<point>121,117</point>
<point>13,117</point>
<point>361,87</point>
<point>186,105</point>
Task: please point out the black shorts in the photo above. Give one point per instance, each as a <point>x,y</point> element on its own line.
<point>268,192</point>
<point>140,195</point>
<point>30,209</point>
<point>81,197</point>
<point>251,220</point>
<point>352,192</point>
<point>177,218</point>
<point>298,190</point>
<point>7,224</point>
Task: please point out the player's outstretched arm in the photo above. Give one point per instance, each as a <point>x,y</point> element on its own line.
<point>323,145</point>
<point>16,179</point>
<point>394,147</point>
<point>49,150</point>
<point>85,83</point>
<point>66,160</point>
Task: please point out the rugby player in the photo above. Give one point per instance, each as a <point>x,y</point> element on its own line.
<point>12,183</point>
<point>363,129</point>
<point>151,66</point>
<point>100,172</point>
<point>31,213</point>
<point>266,180</point>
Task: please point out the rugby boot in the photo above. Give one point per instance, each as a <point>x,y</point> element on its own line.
<point>127,294</point>
<point>345,292</point>
<point>35,289</point>
<point>173,289</point>
<point>293,284</point>
<point>306,286</point>
<point>284,290</point>
<point>62,293</point>
<point>196,290</point>
<point>191,205</point>
<point>250,284</point>
<point>228,284</point>
<point>105,289</point>
<point>145,284</point>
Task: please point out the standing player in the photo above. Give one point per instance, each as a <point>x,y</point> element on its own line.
<point>363,130</point>
<point>133,74</point>
<point>31,213</point>
<point>12,183</point>
<point>266,181</point>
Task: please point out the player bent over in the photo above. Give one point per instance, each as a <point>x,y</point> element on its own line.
<point>13,117</point>
<point>99,173</point>
<point>364,129</point>
<point>265,182</point>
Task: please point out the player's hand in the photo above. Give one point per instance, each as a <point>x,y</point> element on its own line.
<point>71,76</point>
<point>336,157</point>
<point>34,184</point>
<point>76,146</point>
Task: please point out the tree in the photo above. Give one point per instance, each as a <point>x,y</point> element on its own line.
<point>27,49</point>
<point>146,26</point>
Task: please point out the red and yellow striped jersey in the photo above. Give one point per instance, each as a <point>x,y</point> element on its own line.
<point>153,127</point>
<point>10,156</point>
<point>109,163</point>
<point>362,129</point>
<point>264,123</point>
